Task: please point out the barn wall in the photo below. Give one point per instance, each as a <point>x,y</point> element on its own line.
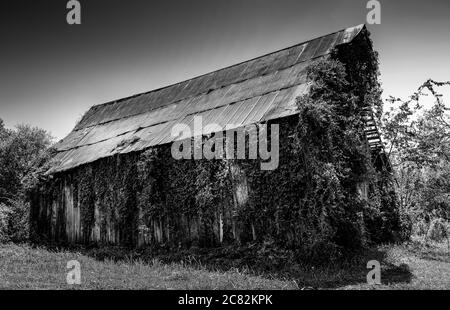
<point>149,199</point>
<point>134,199</point>
<point>110,202</point>
<point>57,216</point>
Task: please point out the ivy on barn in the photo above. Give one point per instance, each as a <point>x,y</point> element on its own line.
<point>310,204</point>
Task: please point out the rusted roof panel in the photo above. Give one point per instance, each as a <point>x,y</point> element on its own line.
<point>264,88</point>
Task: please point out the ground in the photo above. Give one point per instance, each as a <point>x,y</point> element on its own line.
<point>409,266</point>
<point>413,266</point>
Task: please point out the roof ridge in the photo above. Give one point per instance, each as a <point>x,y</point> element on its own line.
<point>362,26</point>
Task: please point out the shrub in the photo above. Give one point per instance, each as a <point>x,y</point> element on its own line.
<point>14,221</point>
<point>438,230</point>
<point>4,215</point>
<point>420,228</point>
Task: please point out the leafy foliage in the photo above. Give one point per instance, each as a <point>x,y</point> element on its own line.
<point>418,133</point>
<point>23,154</point>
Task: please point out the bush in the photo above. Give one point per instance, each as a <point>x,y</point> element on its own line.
<point>438,230</point>
<point>14,224</point>
<point>420,228</point>
<point>4,216</point>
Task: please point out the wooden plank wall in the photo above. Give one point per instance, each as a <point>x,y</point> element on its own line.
<point>60,219</point>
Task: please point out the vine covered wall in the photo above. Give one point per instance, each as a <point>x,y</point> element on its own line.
<point>312,203</point>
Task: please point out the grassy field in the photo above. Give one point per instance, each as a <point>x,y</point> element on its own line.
<point>409,266</point>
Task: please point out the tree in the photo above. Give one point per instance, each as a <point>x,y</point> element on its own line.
<point>418,138</point>
<point>23,151</point>
<point>418,134</point>
<point>20,150</point>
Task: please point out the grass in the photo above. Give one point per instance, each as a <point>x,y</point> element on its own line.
<point>412,265</point>
<point>23,267</point>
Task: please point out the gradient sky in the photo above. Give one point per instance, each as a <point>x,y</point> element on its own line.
<point>51,72</point>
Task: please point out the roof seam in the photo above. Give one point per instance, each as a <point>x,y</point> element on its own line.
<point>52,170</point>
<point>200,94</point>
<point>194,113</point>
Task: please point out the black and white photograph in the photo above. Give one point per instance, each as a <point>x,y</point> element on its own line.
<point>225,151</point>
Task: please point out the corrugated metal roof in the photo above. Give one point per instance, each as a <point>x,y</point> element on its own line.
<point>258,90</point>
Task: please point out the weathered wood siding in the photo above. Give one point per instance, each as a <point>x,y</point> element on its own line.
<point>57,216</point>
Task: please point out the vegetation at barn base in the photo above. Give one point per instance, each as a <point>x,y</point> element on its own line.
<point>409,266</point>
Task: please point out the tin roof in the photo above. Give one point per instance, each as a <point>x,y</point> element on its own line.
<point>261,89</point>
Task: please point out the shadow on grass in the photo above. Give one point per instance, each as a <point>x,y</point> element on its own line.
<point>440,257</point>
<point>344,274</point>
<point>429,251</point>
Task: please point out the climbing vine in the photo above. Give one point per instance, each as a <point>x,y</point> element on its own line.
<point>311,204</point>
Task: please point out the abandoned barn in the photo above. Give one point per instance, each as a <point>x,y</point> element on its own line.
<point>113,179</point>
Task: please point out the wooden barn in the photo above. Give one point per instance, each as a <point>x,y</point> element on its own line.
<point>113,181</point>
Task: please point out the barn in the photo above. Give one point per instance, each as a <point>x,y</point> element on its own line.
<point>113,180</point>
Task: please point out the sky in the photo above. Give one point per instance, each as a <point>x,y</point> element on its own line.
<point>51,72</point>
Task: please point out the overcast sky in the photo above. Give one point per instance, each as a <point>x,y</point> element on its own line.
<point>51,72</point>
